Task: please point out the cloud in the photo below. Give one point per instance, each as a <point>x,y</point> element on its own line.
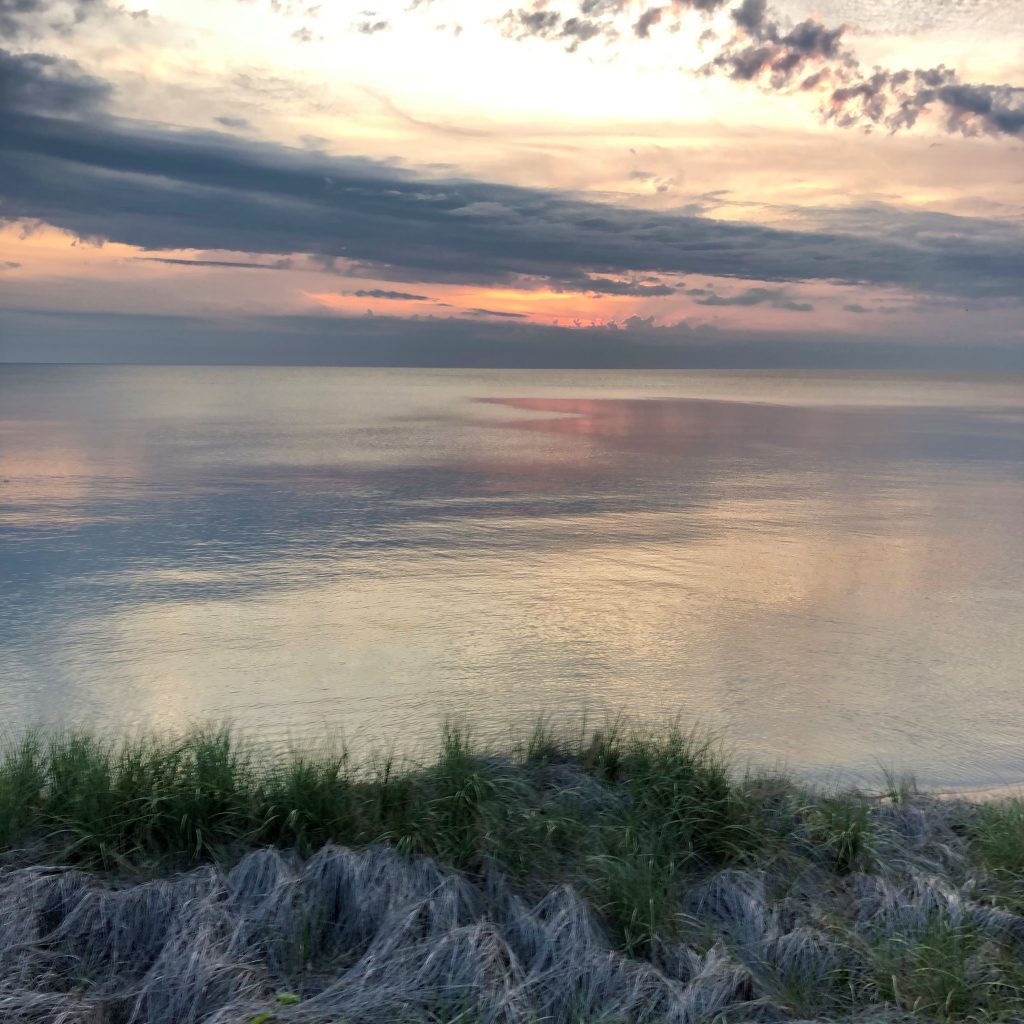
<point>381,293</point>
<point>650,17</point>
<point>8,265</point>
<point>586,283</point>
<point>812,58</point>
<point>16,14</point>
<point>598,18</point>
<point>497,312</point>
<point>163,189</point>
<point>750,15</point>
<point>32,17</point>
<point>856,307</point>
<point>369,28</point>
<point>283,264</point>
<point>775,57</point>
<point>908,17</point>
<point>896,100</point>
<point>535,23</point>
<point>580,29</point>
<point>465,342</point>
<point>756,297</point>
<point>808,57</point>
<point>39,83</point>
<point>238,123</point>
<point>550,25</point>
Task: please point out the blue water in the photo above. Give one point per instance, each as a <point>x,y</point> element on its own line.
<point>828,570</point>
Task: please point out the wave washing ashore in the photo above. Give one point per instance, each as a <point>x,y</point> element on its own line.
<point>612,877</point>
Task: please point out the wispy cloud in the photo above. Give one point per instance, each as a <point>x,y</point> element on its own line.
<point>282,264</point>
<point>383,293</point>
<point>497,312</point>
<point>757,297</point>
<point>370,28</point>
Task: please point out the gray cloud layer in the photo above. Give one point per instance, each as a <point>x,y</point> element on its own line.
<point>162,189</point>
<point>392,341</point>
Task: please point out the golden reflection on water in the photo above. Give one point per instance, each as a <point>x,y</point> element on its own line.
<point>758,629</point>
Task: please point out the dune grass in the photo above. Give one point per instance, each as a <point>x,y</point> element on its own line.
<point>600,876</point>
<point>540,805</point>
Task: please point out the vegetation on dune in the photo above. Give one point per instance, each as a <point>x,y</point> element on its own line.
<point>611,877</point>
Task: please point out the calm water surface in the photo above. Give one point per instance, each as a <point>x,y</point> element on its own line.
<point>827,569</point>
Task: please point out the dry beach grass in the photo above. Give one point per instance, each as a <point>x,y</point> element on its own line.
<point>611,877</point>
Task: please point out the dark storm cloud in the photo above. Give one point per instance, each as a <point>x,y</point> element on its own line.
<point>757,297</point>
<point>39,83</point>
<point>381,293</point>
<point>160,189</point>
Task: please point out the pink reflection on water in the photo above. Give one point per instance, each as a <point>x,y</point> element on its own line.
<point>698,423</point>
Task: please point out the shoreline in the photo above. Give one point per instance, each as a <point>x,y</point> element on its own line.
<point>982,794</point>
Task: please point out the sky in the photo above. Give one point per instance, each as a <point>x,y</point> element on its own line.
<point>612,183</point>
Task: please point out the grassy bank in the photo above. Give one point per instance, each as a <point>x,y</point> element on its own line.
<point>608,876</point>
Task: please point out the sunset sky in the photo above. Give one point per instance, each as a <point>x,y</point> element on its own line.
<point>461,182</point>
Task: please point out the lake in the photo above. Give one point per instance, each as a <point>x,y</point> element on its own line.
<point>825,569</point>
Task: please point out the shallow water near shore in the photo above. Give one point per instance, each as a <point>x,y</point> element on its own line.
<point>825,569</point>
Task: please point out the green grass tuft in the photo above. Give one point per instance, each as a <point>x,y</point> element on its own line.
<point>841,826</point>
<point>936,972</point>
<point>663,838</point>
<point>998,837</point>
